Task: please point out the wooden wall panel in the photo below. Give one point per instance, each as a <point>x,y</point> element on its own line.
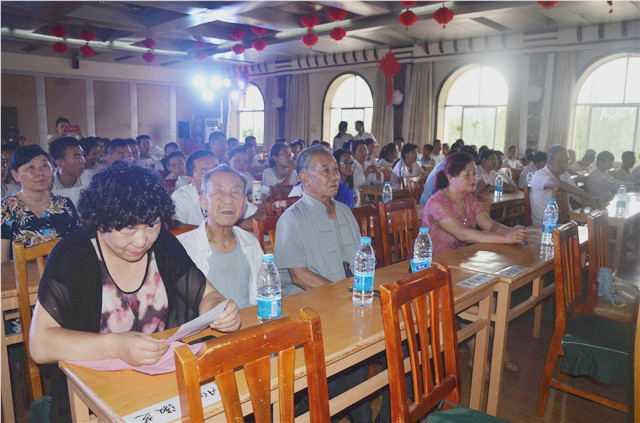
<point>153,112</point>
<point>66,98</point>
<point>112,108</point>
<point>19,91</point>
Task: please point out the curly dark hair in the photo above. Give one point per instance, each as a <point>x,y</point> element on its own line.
<point>124,195</point>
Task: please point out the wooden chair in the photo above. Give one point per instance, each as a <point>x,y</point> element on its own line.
<point>581,339</point>
<point>266,226</point>
<point>368,219</point>
<point>178,231</point>
<point>21,256</point>
<point>413,186</point>
<point>277,207</point>
<point>527,206</point>
<point>427,170</point>
<point>399,227</point>
<point>636,368</point>
<point>279,192</point>
<point>563,206</point>
<point>250,348</point>
<point>425,300</point>
<point>170,185</point>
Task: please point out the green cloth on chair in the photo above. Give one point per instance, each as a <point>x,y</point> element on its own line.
<point>462,415</point>
<point>598,348</point>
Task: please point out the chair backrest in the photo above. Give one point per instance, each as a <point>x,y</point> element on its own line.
<point>178,231</point>
<point>21,256</point>
<point>568,272</point>
<point>427,170</point>
<point>527,205</point>
<point>636,367</point>
<point>368,219</point>
<point>413,186</point>
<point>266,226</point>
<point>425,300</point>
<point>399,228</point>
<point>563,205</point>
<point>250,348</point>
<point>277,207</point>
<point>170,185</point>
<point>279,192</point>
<point>598,251</point>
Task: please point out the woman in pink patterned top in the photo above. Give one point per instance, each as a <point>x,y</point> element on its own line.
<point>453,214</point>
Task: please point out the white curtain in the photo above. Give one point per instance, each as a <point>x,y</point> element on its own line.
<point>564,81</point>
<point>297,108</point>
<point>418,105</point>
<point>514,103</point>
<point>232,127</point>
<point>382,125</point>
<point>270,113</point>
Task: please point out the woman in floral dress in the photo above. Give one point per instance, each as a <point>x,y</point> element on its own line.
<point>34,215</point>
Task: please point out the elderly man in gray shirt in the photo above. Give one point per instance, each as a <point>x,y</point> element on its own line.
<point>317,237</point>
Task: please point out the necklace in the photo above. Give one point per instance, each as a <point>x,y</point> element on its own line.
<point>461,206</point>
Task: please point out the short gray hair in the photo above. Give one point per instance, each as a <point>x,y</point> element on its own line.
<point>303,162</point>
<point>553,150</point>
<point>206,179</point>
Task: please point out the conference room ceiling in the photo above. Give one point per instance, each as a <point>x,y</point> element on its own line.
<point>120,27</point>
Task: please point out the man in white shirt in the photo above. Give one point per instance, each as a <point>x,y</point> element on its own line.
<point>553,175</point>
<point>409,160</point>
<point>67,180</point>
<point>361,135</point>
<point>187,199</point>
<point>146,160</point>
<point>623,173</point>
<point>218,144</point>
<point>600,184</point>
<point>436,154</point>
<point>117,150</point>
<point>538,162</point>
<point>512,158</point>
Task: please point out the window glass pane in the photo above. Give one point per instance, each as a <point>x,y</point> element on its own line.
<point>368,118</point>
<point>493,87</point>
<point>479,126</point>
<point>612,129</point>
<point>501,128</point>
<point>363,96</point>
<point>465,89</point>
<point>350,116</point>
<point>344,95</point>
<point>246,124</point>
<point>581,130</point>
<point>258,126</point>
<point>452,124</point>
<point>633,81</point>
<point>335,121</point>
<point>252,100</point>
<point>605,84</point>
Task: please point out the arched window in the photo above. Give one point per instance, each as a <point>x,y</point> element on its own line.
<point>348,98</point>
<point>473,106</point>
<point>607,107</point>
<point>251,114</point>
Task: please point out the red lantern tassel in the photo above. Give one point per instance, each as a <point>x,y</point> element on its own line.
<point>389,92</point>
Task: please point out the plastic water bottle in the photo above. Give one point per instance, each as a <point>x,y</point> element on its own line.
<point>387,192</point>
<point>498,187</point>
<point>364,266</point>
<point>269,290</point>
<point>549,222</point>
<point>403,171</point>
<point>422,250</point>
<point>622,198</point>
<point>529,178</point>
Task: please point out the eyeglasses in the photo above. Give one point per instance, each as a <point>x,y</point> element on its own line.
<point>347,163</point>
<point>285,154</point>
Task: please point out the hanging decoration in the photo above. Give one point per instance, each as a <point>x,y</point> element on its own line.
<point>337,15</point>
<point>238,34</point>
<point>259,44</point>
<point>390,67</point>
<point>200,55</point>
<point>310,39</point>
<point>309,21</point>
<point>86,49</point>
<point>407,18</point>
<point>443,16</point>
<point>149,57</point>
<point>547,4</point>
<point>338,33</point>
<point>238,49</point>
<point>59,47</point>
<point>258,31</point>
<point>60,32</point>
<point>149,43</point>
<point>610,3</point>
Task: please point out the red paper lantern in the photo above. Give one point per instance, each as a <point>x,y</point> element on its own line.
<point>149,43</point>
<point>338,33</point>
<point>59,47</point>
<point>390,67</point>
<point>407,3</point>
<point>337,14</point>
<point>443,16</point>
<point>238,34</point>
<point>201,56</point>
<point>547,4</point>
<point>310,39</point>
<point>59,31</point>
<point>238,49</point>
<point>310,20</point>
<point>408,18</point>
<point>87,51</point>
<point>200,44</point>
<point>610,3</point>
<point>259,44</point>
<point>149,57</point>
<point>87,35</point>
<point>258,31</point>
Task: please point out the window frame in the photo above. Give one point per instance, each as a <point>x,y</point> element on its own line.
<point>252,111</point>
<point>327,101</point>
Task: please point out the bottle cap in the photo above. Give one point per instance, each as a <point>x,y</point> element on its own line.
<point>424,230</point>
<point>365,240</point>
<point>267,258</point>
<point>387,183</point>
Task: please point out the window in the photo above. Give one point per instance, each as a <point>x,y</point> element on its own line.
<point>607,107</point>
<point>348,98</point>
<point>473,106</point>
<point>251,114</point>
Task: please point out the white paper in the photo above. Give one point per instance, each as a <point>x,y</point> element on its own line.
<point>169,410</point>
<point>199,323</point>
<point>476,280</point>
<point>512,271</point>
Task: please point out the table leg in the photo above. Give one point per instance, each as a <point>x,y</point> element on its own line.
<point>537,317</point>
<point>499,345</point>
<point>7,396</point>
<point>480,355</point>
<point>79,410</point>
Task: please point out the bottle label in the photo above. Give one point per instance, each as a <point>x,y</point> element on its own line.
<point>268,309</point>
<point>621,204</point>
<point>547,228</point>
<point>498,188</point>
<point>420,264</point>
<point>363,281</point>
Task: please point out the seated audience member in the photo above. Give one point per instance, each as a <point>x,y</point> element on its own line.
<point>317,237</point>
<point>92,151</point>
<point>585,164</point>
<point>572,158</point>
<point>408,158</point>
<point>512,158</point>
<point>553,176</point>
<point>176,162</point>
<point>600,184</point>
<point>426,155</point>
<point>398,140</point>
<point>326,145</point>
<point>117,150</point>
<point>526,161</point>
<point>62,128</point>
<point>232,143</point>
<point>68,178</point>
<point>488,171</point>
<point>296,147</point>
<point>280,141</point>
<point>102,144</point>
<point>135,151</point>
<point>146,160</point>
<point>9,186</point>
<point>281,170</point>
<point>635,174</point>
<point>537,163</point>
<point>188,213</point>
<point>316,142</point>
<point>251,147</point>
<point>170,147</point>
<point>218,144</point>
<point>348,193</point>
<point>34,215</point>
<point>437,155</point>
<point>239,161</point>
<point>374,150</point>
<point>388,156</point>
<point>22,141</point>
<point>445,149</point>
<point>342,136</point>
<point>364,172</point>
<point>108,287</point>
<point>361,134</point>
<point>7,151</point>
<point>623,173</point>
<point>453,214</point>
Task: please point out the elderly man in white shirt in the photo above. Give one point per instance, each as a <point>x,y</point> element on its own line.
<point>67,179</point>
<point>600,184</point>
<point>553,176</point>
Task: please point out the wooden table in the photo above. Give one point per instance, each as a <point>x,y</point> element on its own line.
<point>508,210</point>
<point>375,191</point>
<point>351,335</point>
<point>625,227</point>
<point>491,258</point>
